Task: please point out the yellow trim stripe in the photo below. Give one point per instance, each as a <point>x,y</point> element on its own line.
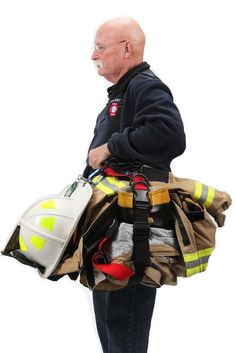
<point>190,257</point>
<point>206,252</point>
<point>105,189</point>
<point>109,185</point>
<point>210,197</point>
<point>203,194</point>
<point>116,182</point>
<point>95,179</point>
<point>197,262</point>
<point>201,253</point>
<point>198,191</point>
<point>195,270</point>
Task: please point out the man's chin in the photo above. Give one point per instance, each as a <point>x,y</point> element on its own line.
<point>100,71</point>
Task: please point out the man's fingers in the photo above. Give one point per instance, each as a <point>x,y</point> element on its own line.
<point>97,156</point>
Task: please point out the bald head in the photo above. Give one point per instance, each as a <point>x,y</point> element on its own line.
<point>119,46</point>
<point>125,28</point>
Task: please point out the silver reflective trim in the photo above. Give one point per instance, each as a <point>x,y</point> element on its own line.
<point>204,193</point>
<point>195,263</point>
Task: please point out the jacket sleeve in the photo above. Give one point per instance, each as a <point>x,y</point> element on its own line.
<point>156,135</point>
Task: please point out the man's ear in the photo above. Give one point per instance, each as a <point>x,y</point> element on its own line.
<point>128,50</point>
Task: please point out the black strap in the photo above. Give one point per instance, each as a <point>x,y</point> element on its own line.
<point>140,234</point>
<point>195,216</point>
<point>122,167</point>
<point>16,254</point>
<point>154,174</point>
<point>182,229</point>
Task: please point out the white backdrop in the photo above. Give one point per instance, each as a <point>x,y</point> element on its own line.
<point>50,96</point>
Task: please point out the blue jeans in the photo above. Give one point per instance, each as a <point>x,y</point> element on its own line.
<point>123,318</point>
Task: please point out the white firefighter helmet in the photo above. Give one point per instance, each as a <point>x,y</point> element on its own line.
<point>48,225</point>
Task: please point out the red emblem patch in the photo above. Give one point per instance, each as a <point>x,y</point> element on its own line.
<point>113,109</point>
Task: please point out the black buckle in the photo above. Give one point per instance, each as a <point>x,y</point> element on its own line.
<point>141,199</point>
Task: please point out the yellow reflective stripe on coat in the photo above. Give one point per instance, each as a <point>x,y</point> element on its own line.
<point>197,262</point>
<point>203,194</point>
<point>109,185</point>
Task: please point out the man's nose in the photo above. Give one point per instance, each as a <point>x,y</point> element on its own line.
<point>94,55</point>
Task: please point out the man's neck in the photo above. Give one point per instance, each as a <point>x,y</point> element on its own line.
<point>123,71</point>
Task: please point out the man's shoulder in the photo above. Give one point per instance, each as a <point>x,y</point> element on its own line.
<point>146,79</point>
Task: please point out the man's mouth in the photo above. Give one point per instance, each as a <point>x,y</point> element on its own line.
<point>98,64</point>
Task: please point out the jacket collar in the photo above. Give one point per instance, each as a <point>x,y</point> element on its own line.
<point>123,82</point>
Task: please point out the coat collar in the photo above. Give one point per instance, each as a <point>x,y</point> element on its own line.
<point>123,82</point>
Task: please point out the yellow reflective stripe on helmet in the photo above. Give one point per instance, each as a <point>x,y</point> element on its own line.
<point>22,244</point>
<point>197,262</point>
<point>49,204</point>
<point>47,223</point>
<point>203,194</point>
<point>37,242</point>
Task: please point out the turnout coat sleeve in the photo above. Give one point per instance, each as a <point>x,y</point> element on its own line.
<point>156,134</point>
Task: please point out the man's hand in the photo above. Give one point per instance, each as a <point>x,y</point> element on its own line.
<point>98,155</point>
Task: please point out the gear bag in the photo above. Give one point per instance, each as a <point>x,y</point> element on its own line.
<point>132,230</point>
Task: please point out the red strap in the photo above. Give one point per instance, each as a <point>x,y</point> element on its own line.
<point>108,171</point>
<point>139,183</point>
<point>136,179</point>
<point>116,270</point>
<point>102,241</point>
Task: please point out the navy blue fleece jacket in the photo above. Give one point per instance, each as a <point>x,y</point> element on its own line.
<point>140,121</point>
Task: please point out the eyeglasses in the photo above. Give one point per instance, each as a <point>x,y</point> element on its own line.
<point>99,48</point>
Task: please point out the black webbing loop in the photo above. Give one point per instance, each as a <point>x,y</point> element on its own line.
<point>141,230</point>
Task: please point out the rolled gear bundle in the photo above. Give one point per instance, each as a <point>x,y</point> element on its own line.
<point>188,209</point>
<point>42,235</point>
<point>163,268</point>
<point>185,207</point>
<point>113,266</point>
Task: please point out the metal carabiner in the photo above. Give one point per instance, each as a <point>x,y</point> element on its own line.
<point>74,185</point>
<point>93,174</point>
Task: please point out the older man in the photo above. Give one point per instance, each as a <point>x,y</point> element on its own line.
<point>139,122</point>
